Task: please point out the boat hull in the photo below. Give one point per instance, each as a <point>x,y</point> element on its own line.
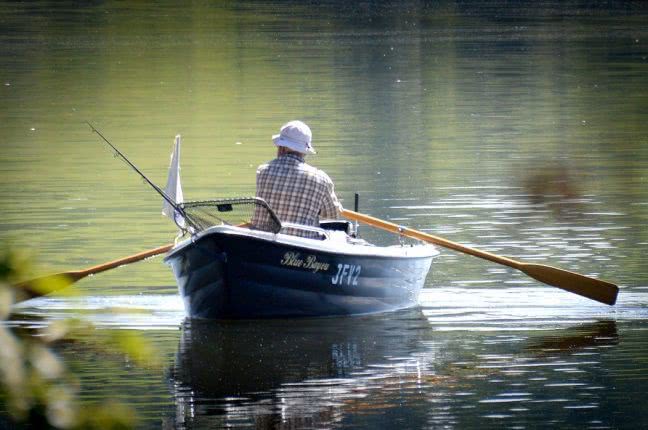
<point>227,275</point>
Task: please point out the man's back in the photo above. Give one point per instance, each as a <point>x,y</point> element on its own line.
<point>297,192</point>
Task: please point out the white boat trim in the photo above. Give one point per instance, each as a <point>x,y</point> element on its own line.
<point>337,242</point>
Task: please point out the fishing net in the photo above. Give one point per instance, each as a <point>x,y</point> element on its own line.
<point>208,213</point>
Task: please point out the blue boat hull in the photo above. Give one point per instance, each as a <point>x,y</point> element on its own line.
<point>228,276</point>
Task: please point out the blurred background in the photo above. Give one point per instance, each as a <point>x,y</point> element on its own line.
<point>488,122</point>
<point>520,128</point>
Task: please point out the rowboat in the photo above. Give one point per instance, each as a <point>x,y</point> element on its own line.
<point>231,271</point>
<point>226,269</point>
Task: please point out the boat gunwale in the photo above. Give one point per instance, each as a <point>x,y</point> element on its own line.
<point>330,245</point>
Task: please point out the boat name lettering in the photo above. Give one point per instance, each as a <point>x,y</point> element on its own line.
<point>347,274</point>
<point>314,265</point>
<point>294,259</point>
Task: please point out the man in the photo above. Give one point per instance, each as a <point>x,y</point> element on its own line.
<point>296,191</point>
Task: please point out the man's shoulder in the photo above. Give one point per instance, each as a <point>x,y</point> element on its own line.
<point>266,166</point>
<point>318,173</point>
<point>262,168</point>
<point>277,166</point>
<point>279,162</point>
<point>286,165</point>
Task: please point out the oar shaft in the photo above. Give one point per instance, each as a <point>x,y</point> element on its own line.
<point>47,284</point>
<point>394,228</point>
<point>595,289</point>
<point>126,260</point>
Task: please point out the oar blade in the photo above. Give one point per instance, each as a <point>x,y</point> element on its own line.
<point>592,288</point>
<point>48,284</point>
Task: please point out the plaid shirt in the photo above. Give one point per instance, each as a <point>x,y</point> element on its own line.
<point>297,192</point>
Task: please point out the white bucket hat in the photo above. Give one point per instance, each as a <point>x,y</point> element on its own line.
<point>295,135</point>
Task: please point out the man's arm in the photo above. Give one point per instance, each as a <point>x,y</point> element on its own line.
<point>331,206</point>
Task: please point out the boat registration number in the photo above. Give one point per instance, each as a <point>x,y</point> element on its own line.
<point>347,274</point>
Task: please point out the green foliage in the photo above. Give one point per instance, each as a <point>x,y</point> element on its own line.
<point>37,390</point>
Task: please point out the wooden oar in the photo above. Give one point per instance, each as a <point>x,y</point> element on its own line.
<point>46,284</point>
<point>595,289</point>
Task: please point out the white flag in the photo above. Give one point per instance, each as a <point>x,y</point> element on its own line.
<point>173,188</point>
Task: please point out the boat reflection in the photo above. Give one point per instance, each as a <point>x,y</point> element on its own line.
<point>290,373</point>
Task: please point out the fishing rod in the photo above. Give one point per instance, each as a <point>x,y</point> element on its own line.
<point>161,192</point>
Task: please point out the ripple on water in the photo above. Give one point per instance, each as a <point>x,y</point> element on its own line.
<point>142,312</point>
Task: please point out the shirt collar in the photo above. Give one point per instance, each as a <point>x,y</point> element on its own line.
<point>295,157</point>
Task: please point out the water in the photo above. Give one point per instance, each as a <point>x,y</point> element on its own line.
<point>517,129</point>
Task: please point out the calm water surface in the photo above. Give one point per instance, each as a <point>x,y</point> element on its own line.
<point>518,129</point>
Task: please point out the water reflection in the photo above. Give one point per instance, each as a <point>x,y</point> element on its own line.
<point>295,372</point>
<point>474,365</point>
<point>381,370</point>
<point>587,336</point>
<point>559,377</point>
